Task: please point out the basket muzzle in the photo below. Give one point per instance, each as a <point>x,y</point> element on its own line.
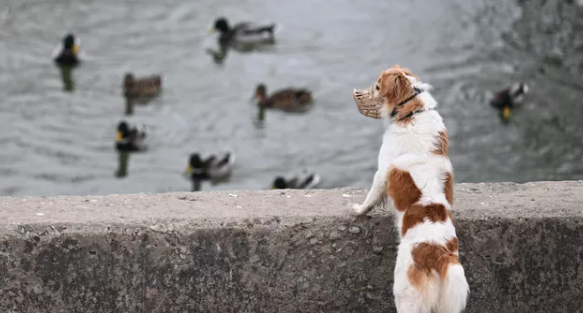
<point>368,105</point>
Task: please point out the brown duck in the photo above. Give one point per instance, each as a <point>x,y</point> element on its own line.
<point>141,87</point>
<point>289,99</point>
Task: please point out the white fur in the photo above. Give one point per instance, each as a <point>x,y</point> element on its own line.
<point>408,147</point>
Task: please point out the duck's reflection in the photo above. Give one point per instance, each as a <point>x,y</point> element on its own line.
<point>129,106</point>
<point>67,78</point>
<point>122,169</point>
<point>196,185</point>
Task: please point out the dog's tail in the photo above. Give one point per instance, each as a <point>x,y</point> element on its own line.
<point>455,289</point>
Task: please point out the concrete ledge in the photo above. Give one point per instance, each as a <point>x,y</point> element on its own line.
<point>292,251</point>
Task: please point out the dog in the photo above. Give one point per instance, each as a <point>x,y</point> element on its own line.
<point>414,170</point>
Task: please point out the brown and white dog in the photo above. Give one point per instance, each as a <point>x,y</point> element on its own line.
<point>415,171</point>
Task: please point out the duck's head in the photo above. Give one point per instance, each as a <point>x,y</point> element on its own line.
<point>128,79</point>
<point>260,92</point>
<point>70,43</point>
<point>123,130</point>
<point>221,26</point>
<point>279,183</point>
<point>195,162</point>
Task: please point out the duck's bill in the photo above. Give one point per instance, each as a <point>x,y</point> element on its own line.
<point>366,104</point>
<point>212,31</point>
<point>76,49</point>
<point>506,113</point>
<point>272,187</point>
<point>118,136</point>
<point>188,170</point>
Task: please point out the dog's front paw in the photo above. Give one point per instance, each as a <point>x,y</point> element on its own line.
<point>360,209</point>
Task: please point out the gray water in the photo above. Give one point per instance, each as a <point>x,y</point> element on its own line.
<point>58,143</point>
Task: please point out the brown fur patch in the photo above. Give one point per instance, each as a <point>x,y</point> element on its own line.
<point>394,85</point>
<point>417,277</point>
<point>417,213</point>
<point>402,189</point>
<point>448,188</point>
<point>452,245</point>
<point>442,144</point>
<point>429,256</point>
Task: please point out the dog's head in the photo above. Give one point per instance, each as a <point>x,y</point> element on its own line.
<point>393,95</point>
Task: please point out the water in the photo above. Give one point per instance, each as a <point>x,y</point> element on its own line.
<point>58,143</point>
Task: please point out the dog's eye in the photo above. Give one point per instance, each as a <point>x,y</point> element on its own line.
<point>377,87</point>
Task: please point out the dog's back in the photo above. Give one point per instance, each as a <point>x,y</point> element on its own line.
<point>428,274</point>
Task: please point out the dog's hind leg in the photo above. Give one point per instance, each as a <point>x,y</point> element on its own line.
<point>416,290</point>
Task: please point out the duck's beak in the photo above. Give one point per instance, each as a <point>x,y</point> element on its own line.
<point>212,31</point>
<point>506,113</point>
<point>272,187</point>
<point>118,136</point>
<point>75,49</point>
<point>188,170</point>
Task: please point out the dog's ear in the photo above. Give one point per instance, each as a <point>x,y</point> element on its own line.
<point>408,72</point>
<point>394,84</point>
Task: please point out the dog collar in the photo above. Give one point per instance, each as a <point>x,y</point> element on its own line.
<point>411,114</point>
<point>416,92</point>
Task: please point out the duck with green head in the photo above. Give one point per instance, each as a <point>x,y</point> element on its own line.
<point>215,168</point>
<point>507,99</point>
<point>130,138</point>
<point>68,54</point>
<point>304,180</point>
<point>243,33</point>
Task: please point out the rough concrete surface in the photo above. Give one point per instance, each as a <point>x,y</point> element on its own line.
<point>279,251</point>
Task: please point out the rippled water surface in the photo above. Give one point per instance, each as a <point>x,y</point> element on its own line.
<point>53,142</point>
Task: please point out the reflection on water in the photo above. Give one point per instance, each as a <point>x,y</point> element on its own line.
<point>67,77</point>
<point>196,185</point>
<point>129,106</point>
<point>122,169</point>
<point>54,142</point>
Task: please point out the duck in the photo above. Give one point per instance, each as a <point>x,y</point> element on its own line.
<point>214,167</point>
<point>68,54</point>
<point>303,180</point>
<point>289,99</point>
<point>506,99</point>
<point>130,138</point>
<point>243,33</point>
<point>141,87</point>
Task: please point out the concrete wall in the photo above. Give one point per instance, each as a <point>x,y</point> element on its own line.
<point>292,251</point>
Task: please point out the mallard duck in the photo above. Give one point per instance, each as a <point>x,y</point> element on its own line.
<point>130,139</point>
<point>67,55</point>
<point>214,167</point>
<point>289,99</point>
<point>243,33</point>
<point>506,99</point>
<point>304,180</point>
<point>141,87</point>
